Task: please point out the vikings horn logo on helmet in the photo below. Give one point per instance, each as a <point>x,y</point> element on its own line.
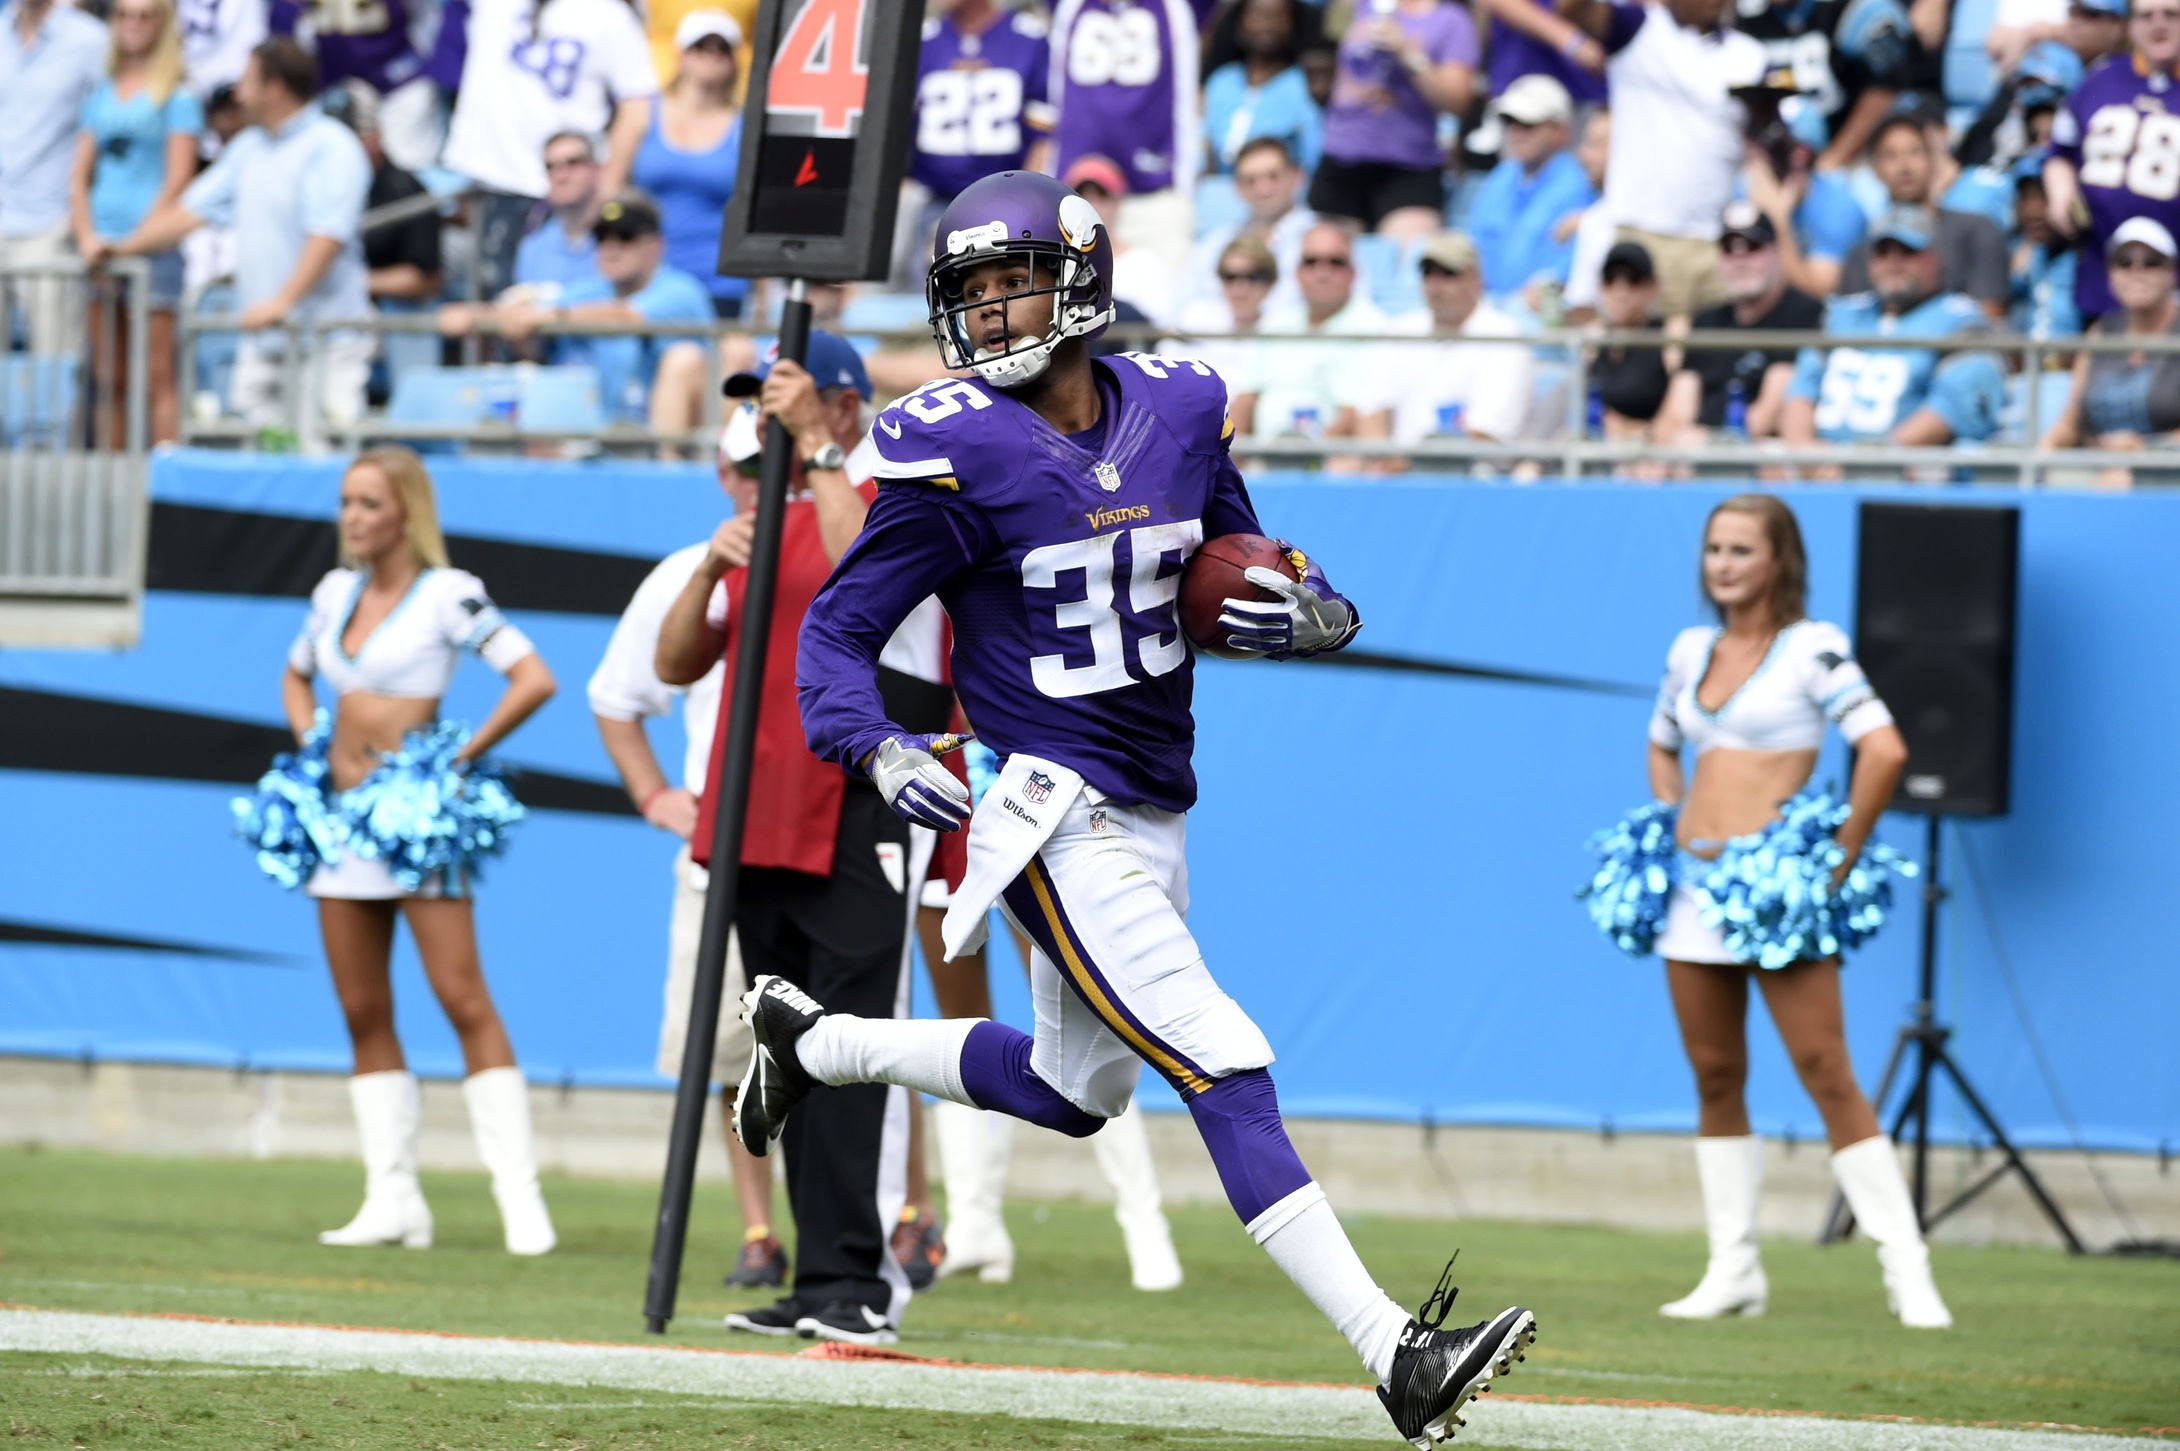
<point>1079,222</point>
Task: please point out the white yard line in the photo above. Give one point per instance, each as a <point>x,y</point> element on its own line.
<point>1123,1399</point>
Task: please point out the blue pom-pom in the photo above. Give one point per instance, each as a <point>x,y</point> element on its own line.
<point>288,821</point>
<point>1771,893</point>
<point>422,813</point>
<point>1634,879</point>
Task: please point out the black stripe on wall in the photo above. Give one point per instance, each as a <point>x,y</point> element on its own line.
<point>79,735</point>
<point>41,935</point>
<point>1408,664</point>
<point>196,549</point>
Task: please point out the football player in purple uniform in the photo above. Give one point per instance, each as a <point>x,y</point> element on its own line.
<point>2115,148</point>
<point>1052,502</point>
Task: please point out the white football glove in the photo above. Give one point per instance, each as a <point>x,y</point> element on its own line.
<point>907,773</point>
<point>1309,617</point>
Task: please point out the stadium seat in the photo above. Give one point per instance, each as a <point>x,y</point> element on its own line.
<point>1218,205</point>
<point>564,399</point>
<point>1389,272</point>
<point>2051,395</point>
<point>37,398</point>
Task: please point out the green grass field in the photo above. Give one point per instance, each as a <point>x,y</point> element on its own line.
<point>2041,1338</point>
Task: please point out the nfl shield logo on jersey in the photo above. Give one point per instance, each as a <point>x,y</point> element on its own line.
<point>1108,476</point>
<point>1038,787</point>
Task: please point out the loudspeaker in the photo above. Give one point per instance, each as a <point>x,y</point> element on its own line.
<point>1934,628</point>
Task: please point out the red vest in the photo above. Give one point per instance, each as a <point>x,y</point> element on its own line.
<point>794,798</point>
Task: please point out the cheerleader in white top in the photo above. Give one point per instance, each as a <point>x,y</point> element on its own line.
<point>1729,885</point>
<point>387,811</point>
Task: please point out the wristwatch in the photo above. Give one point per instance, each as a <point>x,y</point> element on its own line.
<point>832,457</point>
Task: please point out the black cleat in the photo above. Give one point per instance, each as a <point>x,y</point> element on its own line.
<point>1436,1371</point>
<point>762,1265</point>
<point>783,1317</point>
<point>778,1013</point>
<point>849,1320</point>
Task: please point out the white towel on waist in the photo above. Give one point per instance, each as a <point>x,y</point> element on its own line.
<point>1022,809</point>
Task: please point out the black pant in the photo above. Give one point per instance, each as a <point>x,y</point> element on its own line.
<point>839,939</point>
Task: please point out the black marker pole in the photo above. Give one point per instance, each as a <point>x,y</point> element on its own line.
<point>753,633</point>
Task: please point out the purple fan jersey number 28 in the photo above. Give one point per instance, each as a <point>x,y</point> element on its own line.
<point>2126,148</point>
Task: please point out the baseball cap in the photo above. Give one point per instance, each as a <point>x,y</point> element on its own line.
<point>699,23</point>
<point>831,360</point>
<point>2143,232</point>
<point>2114,8</point>
<point>1911,227</point>
<point>1450,250</point>
<point>1743,220</point>
<point>626,218</point>
<point>1535,99</point>
<point>1630,259</point>
<point>1101,172</point>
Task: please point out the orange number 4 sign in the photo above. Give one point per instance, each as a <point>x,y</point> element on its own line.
<point>817,72</point>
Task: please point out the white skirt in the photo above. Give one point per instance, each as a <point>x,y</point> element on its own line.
<point>1686,938</point>
<point>364,879</point>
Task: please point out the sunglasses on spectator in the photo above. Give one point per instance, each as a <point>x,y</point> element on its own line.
<point>2139,259</point>
<point>567,163</point>
<point>1328,262</point>
<point>1235,279</point>
<point>1890,248</point>
<point>133,14</point>
<point>1440,269</point>
<point>711,44</point>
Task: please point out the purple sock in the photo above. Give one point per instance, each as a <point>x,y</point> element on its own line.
<point>1238,1117</point>
<point>995,1069</point>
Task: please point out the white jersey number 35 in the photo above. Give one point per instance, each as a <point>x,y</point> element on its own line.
<point>1149,591</point>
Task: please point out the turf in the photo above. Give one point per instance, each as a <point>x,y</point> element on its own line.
<point>2042,1337</point>
<point>98,1402</point>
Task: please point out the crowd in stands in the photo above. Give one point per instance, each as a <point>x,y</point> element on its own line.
<point>1442,179</point>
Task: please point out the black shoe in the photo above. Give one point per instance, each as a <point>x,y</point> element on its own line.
<point>919,1245</point>
<point>849,1320</point>
<point>778,1013</point>
<point>762,1266</point>
<point>1436,1371</point>
<point>781,1318</point>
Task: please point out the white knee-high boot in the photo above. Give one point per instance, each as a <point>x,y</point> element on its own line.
<point>1732,1173</point>
<point>974,1146</point>
<point>1123,1152</point>
<point>394,1211</point>
<point>499,1115</point>
<point>1869,1175</point>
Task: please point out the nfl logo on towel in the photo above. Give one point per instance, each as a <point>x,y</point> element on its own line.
<point>1039,787</point>
<point>1108,476</point>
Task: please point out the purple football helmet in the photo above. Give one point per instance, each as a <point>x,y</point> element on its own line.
<point>1020,215</point>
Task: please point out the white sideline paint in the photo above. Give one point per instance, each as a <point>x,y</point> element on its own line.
<point>1123,1399</point>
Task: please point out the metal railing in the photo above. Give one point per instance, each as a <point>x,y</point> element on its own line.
<point>1565,450</point>
<point>74,433</point>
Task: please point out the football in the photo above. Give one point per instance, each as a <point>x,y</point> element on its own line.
<point>1214,576</point>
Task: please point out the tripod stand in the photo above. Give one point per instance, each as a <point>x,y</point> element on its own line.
<point>1926,1037</point>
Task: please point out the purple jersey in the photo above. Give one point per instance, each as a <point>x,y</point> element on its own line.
<point>1058,558</point>
<point>980,100</point>
<point>1124,82</point>
<point>2119,131</point>
<point>367,40</point>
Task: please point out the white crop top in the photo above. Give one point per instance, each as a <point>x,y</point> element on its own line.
<point>1808,677</point>
<point>414,650</point>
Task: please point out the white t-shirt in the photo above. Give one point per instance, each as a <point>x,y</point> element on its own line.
<point>626,684</point>
<point>1200,279</point>
<point>1211,340</point>
<point>2018,14</point>
<point>1143,279</point>
<point>1450,389</point>
<point>1677,140</point>
<point>1302,378</point>
<point>519,90</point>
